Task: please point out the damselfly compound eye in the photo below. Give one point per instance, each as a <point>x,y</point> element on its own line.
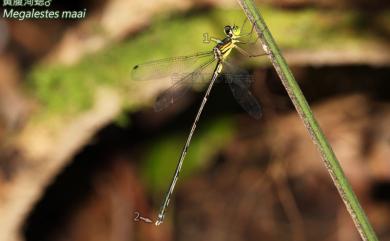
<point>236,30</point>
<point>227,30</point>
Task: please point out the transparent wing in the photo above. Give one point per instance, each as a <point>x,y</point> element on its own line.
<point>182,84</point>
<point>240,81</point>
<point>169,66</point>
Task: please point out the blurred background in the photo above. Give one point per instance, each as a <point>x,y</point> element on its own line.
<point>81,148</point>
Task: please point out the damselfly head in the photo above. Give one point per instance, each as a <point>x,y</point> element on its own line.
<point>232,30</point>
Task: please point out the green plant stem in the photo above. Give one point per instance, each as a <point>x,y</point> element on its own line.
<point>332,164</point>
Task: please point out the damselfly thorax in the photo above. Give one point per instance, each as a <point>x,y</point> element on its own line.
<point>225,46</point>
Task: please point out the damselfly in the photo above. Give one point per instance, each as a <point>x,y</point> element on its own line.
<point>238,79</point>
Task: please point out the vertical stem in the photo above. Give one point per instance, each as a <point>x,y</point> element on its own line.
<point>332,164</point>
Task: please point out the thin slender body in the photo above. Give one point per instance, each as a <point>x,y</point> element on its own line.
<point>221,51</point>
<point>167,198</point>
<point>238,83</point>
